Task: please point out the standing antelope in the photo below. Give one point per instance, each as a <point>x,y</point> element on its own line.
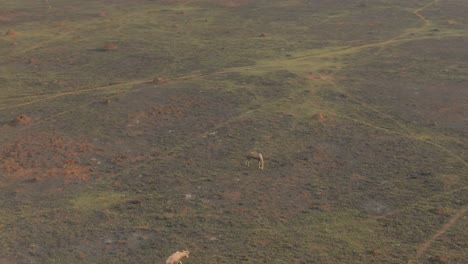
<point>254,155</point>
<point>176,257</point>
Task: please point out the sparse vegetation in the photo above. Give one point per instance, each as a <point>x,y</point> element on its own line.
<point>125,155</point>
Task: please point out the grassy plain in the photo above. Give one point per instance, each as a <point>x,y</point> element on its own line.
<point>359,108</point>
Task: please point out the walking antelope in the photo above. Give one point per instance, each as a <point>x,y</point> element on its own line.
<point>176,257</point>
<point>254,155</point>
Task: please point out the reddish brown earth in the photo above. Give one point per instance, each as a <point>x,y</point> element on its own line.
<point>358,109</point>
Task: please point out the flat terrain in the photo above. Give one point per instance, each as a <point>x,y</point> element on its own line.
<point>124,126</point>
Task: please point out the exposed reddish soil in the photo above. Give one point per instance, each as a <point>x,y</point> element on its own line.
<point>175,153</point>
<point>45,156</point>
<point>22,120</point>
<point>159,80</point>
<point>11,33</point>
<point>110,46</point>
<point>320,117</point>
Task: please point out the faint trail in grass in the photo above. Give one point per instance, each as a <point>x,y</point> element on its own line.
<point>40,44</point>
<point>69,111</point>
<point>424,247</point>
<point>83,26</point>
<point>394,40</point>
<point>265,65</point>
<point>268,66</point>
<point>415,137</point>
<point>418,11</point>
<point>438,195</point>
<point>367,106</point>
<point>383,115</point>
<point>280,64</point>
<point>75,92</point>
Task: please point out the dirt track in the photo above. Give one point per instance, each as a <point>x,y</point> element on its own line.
<point>358,108</point>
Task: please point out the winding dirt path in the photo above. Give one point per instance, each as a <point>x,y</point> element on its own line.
<point>417,12</point>
<point>266,65</point>
<point>424,247</point>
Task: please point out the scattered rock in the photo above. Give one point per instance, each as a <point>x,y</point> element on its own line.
<point>22,120</point>
<point>33,61</point>
<point>110,47</point>
<point>438,260</point>
<point>210,134</point>
<point>441,211</point>
<point>452,22</point>
<point>134,201</point>
<point>11,33</point>
<point>425,173</point>
<point>82,255</point>
<point>30,180</point>
<point>158,80</point>
<point>320,117</point>
<point>373,207</point>
<point>33,249</point>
